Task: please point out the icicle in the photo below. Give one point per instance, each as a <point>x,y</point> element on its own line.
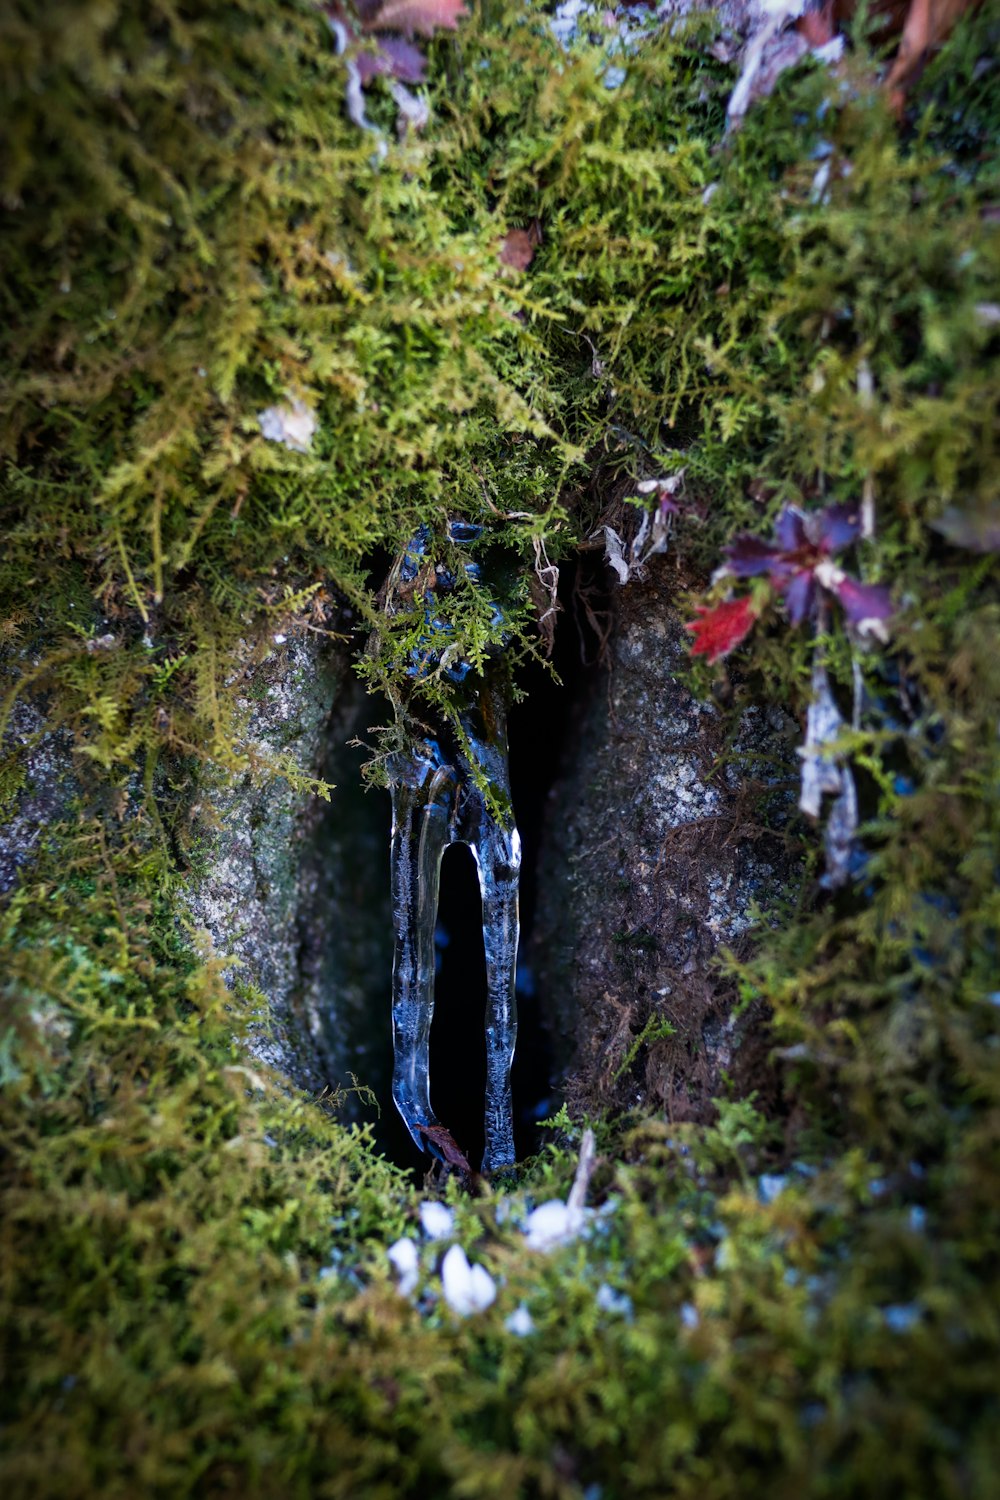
<point>437,801</point>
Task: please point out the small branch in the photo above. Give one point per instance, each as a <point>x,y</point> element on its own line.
<point>584,1171</point>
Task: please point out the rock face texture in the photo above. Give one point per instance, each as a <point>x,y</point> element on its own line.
<point>660,840</point>
<point>37,789</point>
<point>256,849</point>
<point>295,888</point>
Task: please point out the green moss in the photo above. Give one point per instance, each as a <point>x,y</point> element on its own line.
<point>13,778</point>
<point>192,229</point>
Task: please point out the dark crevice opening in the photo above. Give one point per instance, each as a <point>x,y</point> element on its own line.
<point>539,733</point>
<point>355,950</point>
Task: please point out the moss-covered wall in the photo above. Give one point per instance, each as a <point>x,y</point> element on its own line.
<point>192,1261</point>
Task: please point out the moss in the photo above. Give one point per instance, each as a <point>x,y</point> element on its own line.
<point>192,229</point>
<point>13,779</point>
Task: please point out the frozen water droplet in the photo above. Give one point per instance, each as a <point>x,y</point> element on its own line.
<point>436,1220</point>
<point>466,1288</point>
<point>520,1322</point>
<point>405,1260</point>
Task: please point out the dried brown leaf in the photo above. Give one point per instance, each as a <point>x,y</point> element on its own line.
<point>517,248</point>
<point>927,24</point>
<point>443,1143</point>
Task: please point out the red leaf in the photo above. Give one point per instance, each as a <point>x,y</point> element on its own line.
<point>411,16</point>
<point>721,629</point>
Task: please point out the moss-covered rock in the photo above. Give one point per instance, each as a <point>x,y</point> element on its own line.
<point>195,1292</point>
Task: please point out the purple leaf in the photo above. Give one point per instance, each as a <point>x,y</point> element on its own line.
<point>750,555</point>
<point>800,596</point>
<point>866,605</point>
<point>393,56</point>
<point>838,526</point>
<point>790,530</point>
<point>406,61</point>
<point>369,66</point>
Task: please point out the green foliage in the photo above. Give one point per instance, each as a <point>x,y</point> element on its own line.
<point>655,1029</point>
<point>193,231</point>
<point>185,1202</point>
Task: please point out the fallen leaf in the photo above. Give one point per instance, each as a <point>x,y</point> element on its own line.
<point>614,554</point>
<point>824,775</point>
<point>720,630</point>
<point>442,1143</point>
<point>414,112</point>
<point>777,14</point>
<point>416,16</point>
<point>927,24</point>
<point>799,560</point>
<point>516,250</point>
<point>817,25</point>
<point>395,57</point>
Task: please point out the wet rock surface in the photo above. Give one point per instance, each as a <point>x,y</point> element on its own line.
<point>253,833</point>
<point>660,838</point>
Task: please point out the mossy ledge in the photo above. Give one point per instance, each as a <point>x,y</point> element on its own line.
<point>195,1293</point>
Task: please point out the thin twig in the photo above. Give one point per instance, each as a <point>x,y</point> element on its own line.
<point>584,1171</point>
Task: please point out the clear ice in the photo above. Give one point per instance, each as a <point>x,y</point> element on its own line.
<point>436,802</point>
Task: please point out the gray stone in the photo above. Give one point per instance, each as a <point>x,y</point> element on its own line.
<point>295,888</point>
<point>39,785</point>
<point>659,841</point>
